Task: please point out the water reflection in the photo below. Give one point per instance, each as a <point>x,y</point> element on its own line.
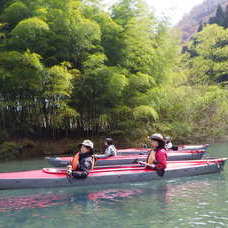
<point>30,202</point>
<point>164,192</point>
<point>113,194</point>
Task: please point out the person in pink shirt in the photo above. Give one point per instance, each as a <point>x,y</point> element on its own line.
<point>157,158</point>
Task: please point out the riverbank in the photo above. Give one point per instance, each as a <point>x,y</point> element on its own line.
<point>27,148</point>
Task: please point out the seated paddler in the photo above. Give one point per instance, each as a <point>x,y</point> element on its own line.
<point>110,149</point>
<point>83,161</point>
<point>157,158</point>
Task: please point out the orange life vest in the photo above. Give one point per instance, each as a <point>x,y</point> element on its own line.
<point>75,161</point>
<point>151,158</point>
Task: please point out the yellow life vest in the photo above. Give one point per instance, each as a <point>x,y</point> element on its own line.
<point>151,158</point>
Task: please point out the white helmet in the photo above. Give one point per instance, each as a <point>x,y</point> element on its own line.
<point>87,143</point>
<point>157,137</point>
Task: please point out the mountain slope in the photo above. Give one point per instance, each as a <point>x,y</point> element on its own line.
<point>198,15</point>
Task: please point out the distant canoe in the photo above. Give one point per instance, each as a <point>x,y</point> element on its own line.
<point>146,150</point>
<point>131,159</point>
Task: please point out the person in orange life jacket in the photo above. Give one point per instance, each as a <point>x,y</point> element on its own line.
<point>157,159</point>
<point>110,149</point>
<point>82,161</point>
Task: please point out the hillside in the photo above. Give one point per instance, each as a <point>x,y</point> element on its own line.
<point>199,14</point>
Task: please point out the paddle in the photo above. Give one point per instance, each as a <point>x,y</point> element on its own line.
<point>146,164</point>
<point>64,171</point>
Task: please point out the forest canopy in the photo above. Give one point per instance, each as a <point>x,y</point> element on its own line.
<point>72,68</point>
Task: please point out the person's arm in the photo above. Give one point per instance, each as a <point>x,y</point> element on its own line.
<point>107,154</point>
<point>100,156</point>
<point>152,166</point>
<point>114,151</point>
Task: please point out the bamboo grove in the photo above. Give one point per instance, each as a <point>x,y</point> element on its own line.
<point>73,68</point>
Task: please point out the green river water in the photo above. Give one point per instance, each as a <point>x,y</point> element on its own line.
<point>200,201</point>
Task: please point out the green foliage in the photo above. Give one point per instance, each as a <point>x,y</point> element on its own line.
<point>15,12</point>
<point>145,113</point>
<point>3,136</point>
<point>125,10</point>
<point>210,60</point>
<point>73,36</point>
<point>141,82</point>
<point>194,111</point>
<point>59,82</point>
<point>32,33</point>
<point>110,35</point>
<point>71,68</point>
<point>9,150</point>
<point>16,70</point>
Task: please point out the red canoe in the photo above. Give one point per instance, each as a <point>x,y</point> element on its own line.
<point>131,159</point>
<point>53,177</point>
<point>142,151</point>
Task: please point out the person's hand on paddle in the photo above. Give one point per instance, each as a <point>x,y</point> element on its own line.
<point>153,166</point>
<point>146,164</point>
<point>69,170</point>
<point>141,163</point>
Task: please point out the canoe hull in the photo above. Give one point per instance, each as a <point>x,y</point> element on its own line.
<point>172,156</point>
<point>114,177</point>
<point>194,147</point>
<point>143,151</point>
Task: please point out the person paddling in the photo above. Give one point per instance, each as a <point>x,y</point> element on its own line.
<point>157,158</point>
<point>110,149</point>
<point>83,161</point>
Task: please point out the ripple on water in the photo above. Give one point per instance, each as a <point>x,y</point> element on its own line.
<point>216,222</point>
<point>203,203</point>
<point>198,223</point>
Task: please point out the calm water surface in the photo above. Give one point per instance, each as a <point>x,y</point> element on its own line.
<point>185,202</point>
